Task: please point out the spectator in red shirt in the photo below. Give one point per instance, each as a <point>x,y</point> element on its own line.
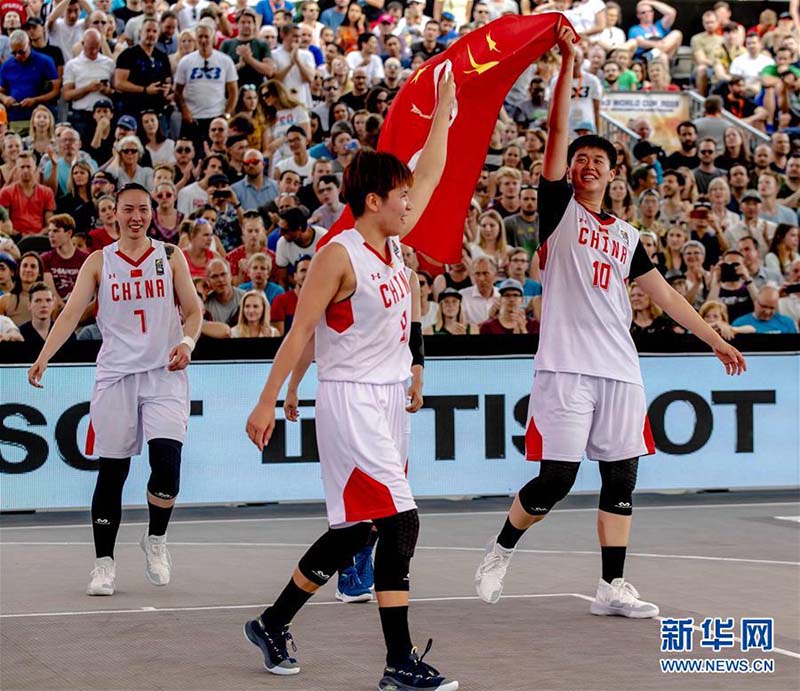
<point>29,204</point>
<point>63,262</point>
<point>285,304</point>
<point>511,318</point>
<point>254,240</point>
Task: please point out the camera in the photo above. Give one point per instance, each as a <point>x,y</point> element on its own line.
<point>728,273</point>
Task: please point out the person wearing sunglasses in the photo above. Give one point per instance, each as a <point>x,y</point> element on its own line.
<point>166,217</point>
<point>128,152</point>
<point>27,80</point>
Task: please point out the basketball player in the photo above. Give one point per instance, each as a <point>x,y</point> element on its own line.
<point>356,303</point>
<point>587,392</point>
<point>141,387</point>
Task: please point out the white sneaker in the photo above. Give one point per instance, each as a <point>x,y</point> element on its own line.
<point>159,563</point>
<point>104,574</point>
<point>491,572</point>
<point>620,598</point>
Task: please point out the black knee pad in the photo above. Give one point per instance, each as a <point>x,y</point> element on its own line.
<point>619,481</point>
<point>397,538</point>
<point>333,551</point>
<point>165,468</point>
<point>553,483</point>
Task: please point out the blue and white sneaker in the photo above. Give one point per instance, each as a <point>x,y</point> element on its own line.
<point>349,588</point>
<point>273,646</point>
<point>365,568</point>
<point>414,675</point>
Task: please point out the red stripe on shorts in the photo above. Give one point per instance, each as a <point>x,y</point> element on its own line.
<point>533,442</point>
<point>365,497</point>
<point>90,440</point>
<point>647,433</point>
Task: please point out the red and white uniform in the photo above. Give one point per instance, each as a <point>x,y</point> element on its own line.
<point>587,392</point>
<point>134,394</point>
<point>363,362</point>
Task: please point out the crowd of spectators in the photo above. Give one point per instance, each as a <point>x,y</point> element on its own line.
<point>240,117</point>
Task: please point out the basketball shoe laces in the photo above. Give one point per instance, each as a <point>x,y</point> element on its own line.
<point>103,570</point>
<point>277,641</point>
<point>419,669</point>
<point>496,563</point>
<point>627,594</point>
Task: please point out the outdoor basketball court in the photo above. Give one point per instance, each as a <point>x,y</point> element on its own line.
<point>732,555</point>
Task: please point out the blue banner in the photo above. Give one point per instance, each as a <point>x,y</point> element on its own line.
<point>711,431</point>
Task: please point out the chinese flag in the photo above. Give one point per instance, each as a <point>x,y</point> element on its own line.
<point>486,63</point>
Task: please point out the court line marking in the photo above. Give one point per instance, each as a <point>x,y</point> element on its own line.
<point>260,605</point>
<point>449,548</point>
<point>205,608</point>
<point>793,519</point>
<point>780,651</point>
<point>442,514</point>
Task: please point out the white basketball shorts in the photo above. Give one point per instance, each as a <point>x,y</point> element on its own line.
<point>362,436</point>
<point>145,405</point>
<point>572,413</point>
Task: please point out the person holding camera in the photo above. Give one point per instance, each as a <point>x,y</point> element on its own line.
<point>205,86</point>
<point>143,75</point>
<point>87,79</point>
<point>707,231</point>
<point>230,214</point>
<point>732,285</point>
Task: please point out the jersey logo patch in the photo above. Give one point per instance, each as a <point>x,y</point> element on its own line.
<point>375,277</point>
<point>624,234</point>
<point>136,273</point>
<point>159,267</point>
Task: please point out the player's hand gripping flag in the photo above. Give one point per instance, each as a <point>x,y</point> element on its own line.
<point>486,63</point>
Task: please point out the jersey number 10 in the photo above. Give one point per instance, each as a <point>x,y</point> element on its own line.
<point>602,275</point>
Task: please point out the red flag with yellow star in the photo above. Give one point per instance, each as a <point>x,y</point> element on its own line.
<point>486,63</point>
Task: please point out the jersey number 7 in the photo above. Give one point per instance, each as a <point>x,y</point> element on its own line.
<point>140,313</point>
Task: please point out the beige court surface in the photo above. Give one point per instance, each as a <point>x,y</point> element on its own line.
<point>702,555</point>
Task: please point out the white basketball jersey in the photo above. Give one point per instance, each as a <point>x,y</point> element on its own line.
<point>586,313</point>
<point>137,313</point>
<point>365,337</point>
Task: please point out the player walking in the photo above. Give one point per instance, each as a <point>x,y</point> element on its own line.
<point>356,303</point>
<point>587,392</point>
<point>141,386</point>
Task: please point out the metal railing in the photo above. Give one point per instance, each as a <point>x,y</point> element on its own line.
<point>751,135</point>
<point>614,130</point>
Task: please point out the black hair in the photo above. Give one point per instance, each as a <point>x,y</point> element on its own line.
<point>592,141</point>
<point>130,187</point>
<point>295,219</point>
<point>331,180</point>
<point>677,175</point>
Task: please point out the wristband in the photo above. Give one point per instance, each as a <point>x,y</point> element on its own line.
<point>189,341</point>
<point>417,345</point>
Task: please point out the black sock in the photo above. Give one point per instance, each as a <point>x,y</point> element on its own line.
<point>289,603</point>
<point>509,536</point>
<point>159,518</point>
<point>613,562</point>
<point>107,504</point>
<point>394,622</point>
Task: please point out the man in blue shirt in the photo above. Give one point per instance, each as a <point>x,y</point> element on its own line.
<point>254,189</point>
<point>765,318</point>
<point>654,38</point>
<point>267,9</point>
<point>27,79</point>
<point>335,15</point>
